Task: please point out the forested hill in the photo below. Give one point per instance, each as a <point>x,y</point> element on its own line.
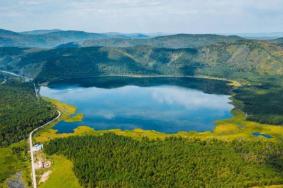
<point>241,60</point>
<point>80,54</point>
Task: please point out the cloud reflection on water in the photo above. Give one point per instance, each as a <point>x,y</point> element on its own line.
<point>190,98</point>
<point>161,108</point>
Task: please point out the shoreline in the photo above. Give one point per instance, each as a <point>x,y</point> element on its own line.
<point>226,129</point>
<point>233,83</point>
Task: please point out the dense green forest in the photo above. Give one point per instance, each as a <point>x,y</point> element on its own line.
<point>111,160</point>
<point>21,111</point>
<point>261,103</point>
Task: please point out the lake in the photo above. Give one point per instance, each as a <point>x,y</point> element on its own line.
<point>163,104</point>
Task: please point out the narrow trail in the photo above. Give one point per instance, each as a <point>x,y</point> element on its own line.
<point>34,183</point>
<point>15,75</point>
<point>11,73</point>
<point>3,82</point>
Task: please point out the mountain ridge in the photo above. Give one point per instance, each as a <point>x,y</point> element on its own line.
<point>55,38</point>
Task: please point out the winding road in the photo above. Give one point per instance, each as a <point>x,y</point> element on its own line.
<point>3,82</point>
<point>11,73</point>
<point>31,133</point>
<point>16,75</point>
<point>31,151</point>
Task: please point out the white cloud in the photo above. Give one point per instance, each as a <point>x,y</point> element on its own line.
<point>176,16</point>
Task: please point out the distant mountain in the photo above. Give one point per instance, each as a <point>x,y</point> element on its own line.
<point>261,36</point>
<point>40,32</point>
<point>7,33</point>
<point>8,38</point>
<point>53,38</point>
<point>171,41</point>
<point>128,36</point>
<point>240,60</point>
<point>68,45</point>
<point>278,41</point>
<point>44,39</point>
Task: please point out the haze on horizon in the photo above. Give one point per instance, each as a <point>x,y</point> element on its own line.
<point>140,16</point>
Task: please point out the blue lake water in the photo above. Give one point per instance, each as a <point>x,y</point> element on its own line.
<point>166,107</point>
<point>262,134</point>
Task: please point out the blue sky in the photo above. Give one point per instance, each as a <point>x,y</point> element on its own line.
<point>144,16</point>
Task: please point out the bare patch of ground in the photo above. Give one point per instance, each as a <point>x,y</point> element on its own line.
<point>45,176</point>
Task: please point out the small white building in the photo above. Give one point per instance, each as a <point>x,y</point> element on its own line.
<point>37,147</point>
<point>42,164</point>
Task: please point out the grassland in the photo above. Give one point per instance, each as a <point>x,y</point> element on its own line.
<point>9,163</point>
<point>62,174</point>
<point>14,159</point>
<point>75,118</point>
